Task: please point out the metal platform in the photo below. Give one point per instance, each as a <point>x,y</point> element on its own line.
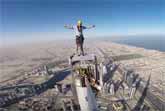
<point>88,57</point>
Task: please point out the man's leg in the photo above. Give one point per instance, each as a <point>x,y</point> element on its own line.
<point>82,50</point>
<point>82,43</point>
<point>76,48</point>
<point>77,44</point>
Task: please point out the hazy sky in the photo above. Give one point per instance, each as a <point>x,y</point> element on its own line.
<point>24,20</point>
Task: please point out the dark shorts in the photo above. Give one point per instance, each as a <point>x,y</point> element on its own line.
<point>79,40</point>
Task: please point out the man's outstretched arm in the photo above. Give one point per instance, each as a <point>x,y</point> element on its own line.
<point>89,27</point>
<point>68,26</point>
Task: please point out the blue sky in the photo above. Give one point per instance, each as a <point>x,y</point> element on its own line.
<point>24,20</point>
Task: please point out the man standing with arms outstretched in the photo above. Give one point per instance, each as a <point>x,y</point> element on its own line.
<point>79,34</point>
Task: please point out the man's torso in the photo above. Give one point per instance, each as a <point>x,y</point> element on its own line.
<point>78,32</point>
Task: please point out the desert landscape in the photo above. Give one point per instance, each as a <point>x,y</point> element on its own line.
<point>21,64</point>
<point>15,60</point>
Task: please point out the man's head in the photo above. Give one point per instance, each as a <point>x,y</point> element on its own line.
<point>79,23</point>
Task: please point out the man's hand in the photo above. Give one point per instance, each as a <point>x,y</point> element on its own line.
<point>91,26</point>
<point>68,26</point>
